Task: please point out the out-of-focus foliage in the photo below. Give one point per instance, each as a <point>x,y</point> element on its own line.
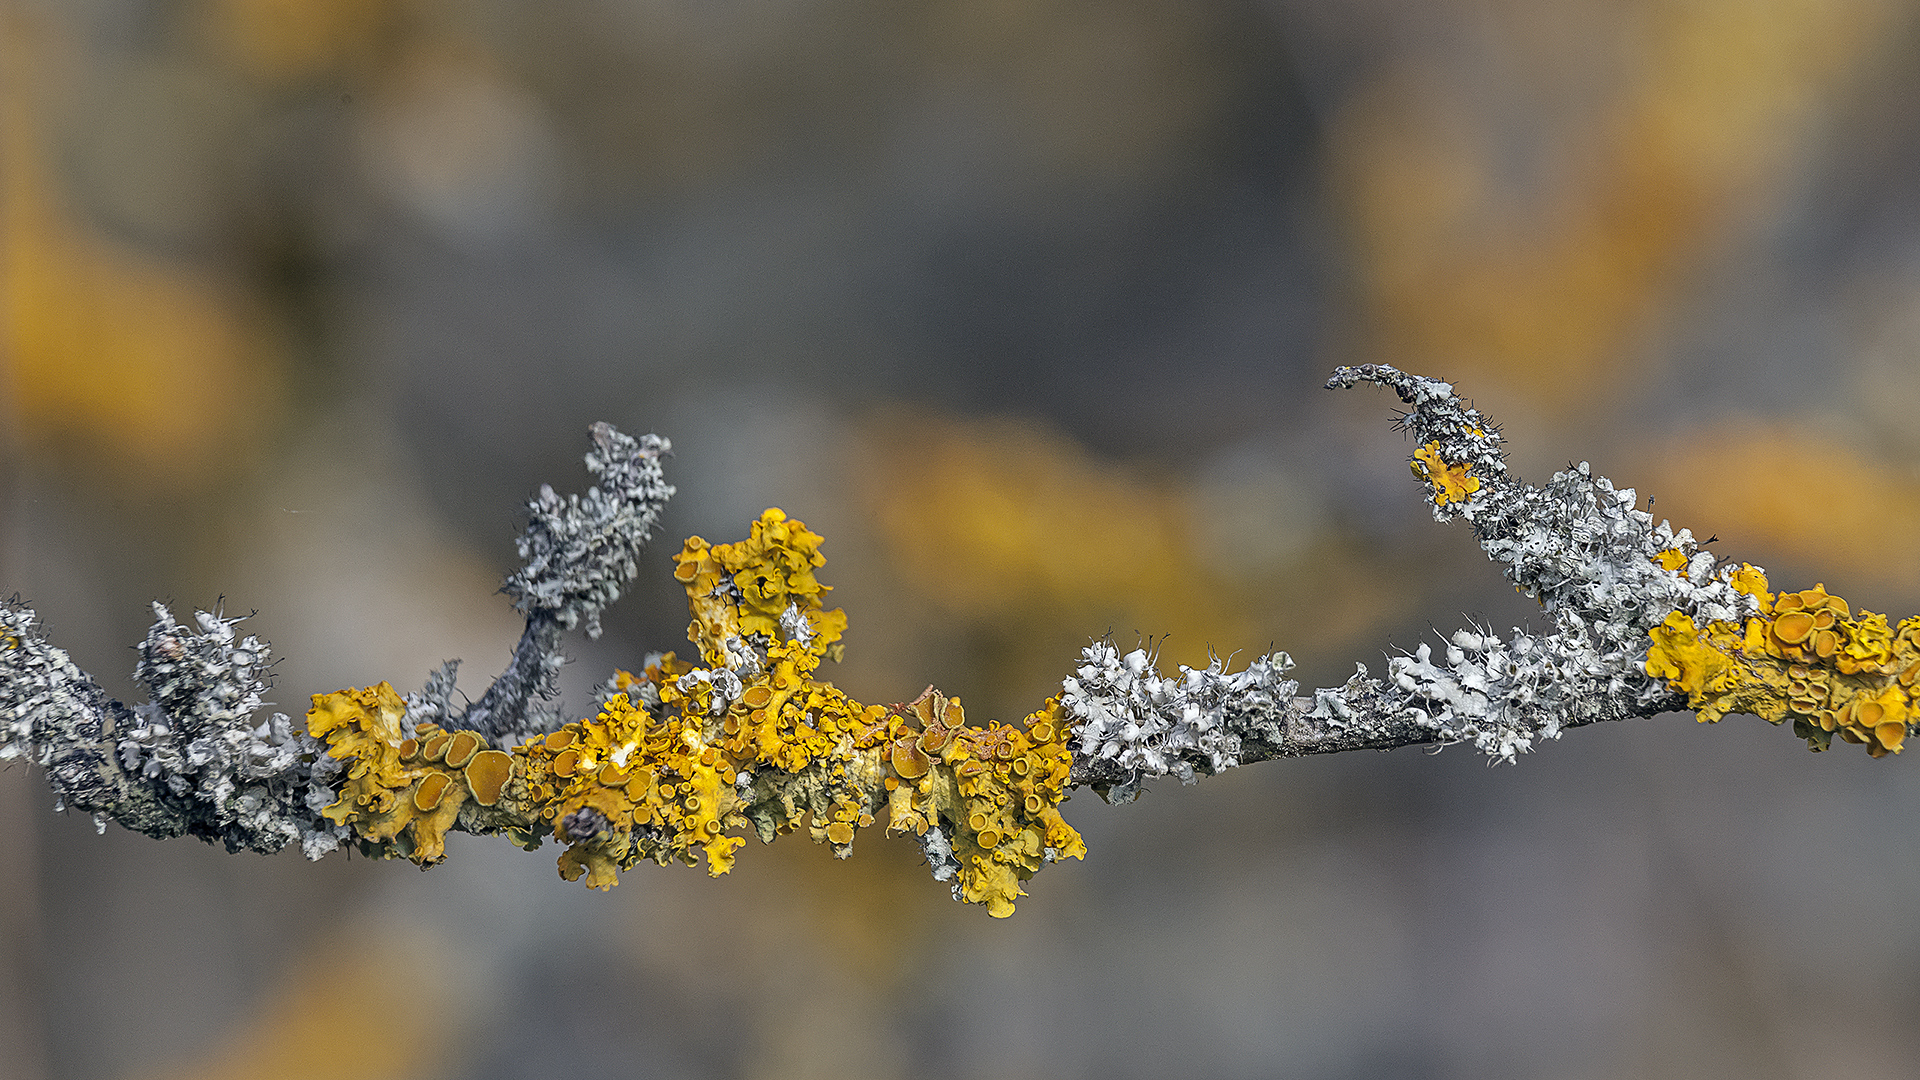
<point>334,1016</point>
<point>1802,490</point>
<point>163,367</point>
<point>1535,244</point>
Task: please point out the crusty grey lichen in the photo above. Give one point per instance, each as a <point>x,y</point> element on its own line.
<point>197,759</point>
<point>580,552</point>
<point>1604,572</point>
<point>191,760</point>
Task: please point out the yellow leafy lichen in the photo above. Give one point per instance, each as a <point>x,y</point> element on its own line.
<point>1806,657</point>
<point>681,774</point>
<point>1692,664</point>
<point>996,791</point>
<point>742,589</point>
<point>792,750</point>
<point>624,787</point>
<point>401,794</point>
<point>1451,483</point>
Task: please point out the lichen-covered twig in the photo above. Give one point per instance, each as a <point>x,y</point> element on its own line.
<point>1605,575</point>
<point>579,553</point>
<point>682,758</point>
<point>1644,621</point>
<point>193,760</point>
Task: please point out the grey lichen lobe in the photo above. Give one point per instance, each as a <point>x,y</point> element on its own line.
<point>198,757</point>
<point>580,553</point>
<point>191,760</point>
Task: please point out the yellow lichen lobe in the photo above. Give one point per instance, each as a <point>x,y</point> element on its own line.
<point>1752,580</point>
<point>995,791</point>
<point>1691,663</point>
<point>401,795</point>
<point>1805,657</point>
<point>740,589</point>
<point>1451,483</point>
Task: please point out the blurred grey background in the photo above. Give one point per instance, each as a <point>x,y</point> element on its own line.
<point>1026,308</point>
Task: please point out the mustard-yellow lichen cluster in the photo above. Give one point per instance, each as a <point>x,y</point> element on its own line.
<point>1806,657</point>
<point>624,786</point>
<point>995,791</point>
<point>811,755</point>
<point>737,590</point>
<point>753,740</point>
<point>401,795</point>
<point>1451,483</point>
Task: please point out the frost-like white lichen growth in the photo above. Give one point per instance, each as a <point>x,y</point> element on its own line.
<point>190,761</point>
<point>46,696</point>
<point>1580,547</point>
<point>795,625</point>
<point>196,738</point>
<point>940,859</point>
<point>726,686</point>
<point>1150,725</point>
<point>580,552</point>
<point>743,655</point>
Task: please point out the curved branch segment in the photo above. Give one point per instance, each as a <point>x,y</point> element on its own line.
<point>682,759</point>
<point>580,551</point>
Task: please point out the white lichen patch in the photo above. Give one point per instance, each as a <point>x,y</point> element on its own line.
<point>196,736</point>
<point>1152,725</point>
<point>1602,570</point>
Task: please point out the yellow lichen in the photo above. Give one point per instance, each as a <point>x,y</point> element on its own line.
<point>626,786</point>
<point>487,774</point>
<point>816,758</point>
<point>1451,483</point>
<point>400,795</point>
<point>1691,664</point>
<point>671,781</point>
<point>1805,657</point>
<point>736,590</point>
<point>995,791</point>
